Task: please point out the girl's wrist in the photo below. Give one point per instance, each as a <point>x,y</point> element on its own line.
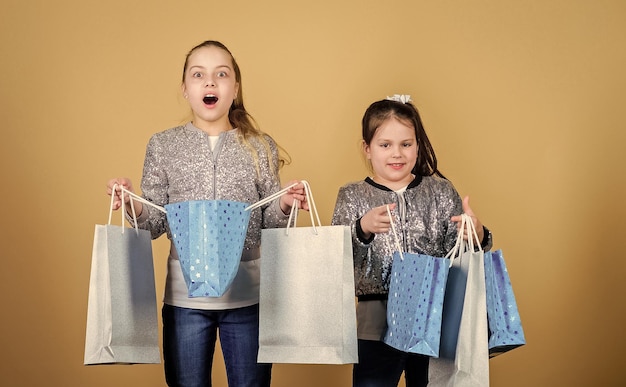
<point>364,237</point>
<point>486,237</point>
<point>284,207</point>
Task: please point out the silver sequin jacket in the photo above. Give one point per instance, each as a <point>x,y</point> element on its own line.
<point>422,222</point>
<point>180,166</point>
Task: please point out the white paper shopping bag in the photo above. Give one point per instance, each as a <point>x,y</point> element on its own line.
<point>307,303</point>
<point>121,312</point>
<point>464,353</point>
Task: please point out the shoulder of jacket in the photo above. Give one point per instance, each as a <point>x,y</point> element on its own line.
<point>353,185</point>
<point>171,132</point>
<point>436,181</point>
<point>255,140</point>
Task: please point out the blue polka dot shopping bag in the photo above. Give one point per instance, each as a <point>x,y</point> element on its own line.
<point>415,302</point>
<point>505,326</point>
<point>209,236</point>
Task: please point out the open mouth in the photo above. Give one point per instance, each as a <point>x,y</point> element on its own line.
<point>210,99</point>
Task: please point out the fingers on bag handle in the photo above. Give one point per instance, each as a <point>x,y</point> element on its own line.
<point>467,226</point>
<point>132,196</point>
<point>293,214</point>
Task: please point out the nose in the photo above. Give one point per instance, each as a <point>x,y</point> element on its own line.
<point>209,82</point>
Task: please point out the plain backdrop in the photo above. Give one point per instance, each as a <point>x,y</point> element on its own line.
<point>523,101</point>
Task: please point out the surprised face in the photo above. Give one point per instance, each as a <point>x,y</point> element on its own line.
<point>210,86</point>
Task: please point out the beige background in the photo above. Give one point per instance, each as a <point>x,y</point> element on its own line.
<point>523,101</point>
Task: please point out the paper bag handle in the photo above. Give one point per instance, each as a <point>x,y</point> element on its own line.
<point>133,196</point>
<point>293,214</point>
<point>471,232</point>
<point>123,207</point>
<point>142,200</point>
<point>461,245</point>
<point>395,234</point>
<point>269,198</point>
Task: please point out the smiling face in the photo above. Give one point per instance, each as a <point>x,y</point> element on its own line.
<point>210,86</point>
<point>392,152</point>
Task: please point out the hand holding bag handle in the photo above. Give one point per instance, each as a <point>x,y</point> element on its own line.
<point>460,245</point>
<point>293,214</point>
<point>132,196</point>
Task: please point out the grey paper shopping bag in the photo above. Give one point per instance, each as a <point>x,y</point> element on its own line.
<point>121,312</point>
<point>464,353</point>
<point>307,304</point>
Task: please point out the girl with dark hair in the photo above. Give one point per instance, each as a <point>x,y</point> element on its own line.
<point>425,206</point>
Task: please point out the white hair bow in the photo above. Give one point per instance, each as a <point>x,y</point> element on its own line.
<point>404,98</point>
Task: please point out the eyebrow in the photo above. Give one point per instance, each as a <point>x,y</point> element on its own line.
<point>202,67</point>
<point>390,140</point>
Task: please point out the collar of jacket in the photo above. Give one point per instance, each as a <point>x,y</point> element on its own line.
<point>413,184</point>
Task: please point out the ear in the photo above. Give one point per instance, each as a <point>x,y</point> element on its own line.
<point>183,90</point>
<point>366,150</point>
<point>236,90</point>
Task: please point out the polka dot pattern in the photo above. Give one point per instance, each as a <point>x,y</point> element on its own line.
<point>505,326</point>
<point>209,237</point>
<point>415,303</point>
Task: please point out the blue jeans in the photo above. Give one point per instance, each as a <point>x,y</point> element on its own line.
<point>381,366</point>
<point>189,337</point>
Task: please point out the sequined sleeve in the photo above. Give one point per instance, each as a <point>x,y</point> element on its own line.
<point>346,213</point>
<point>269,183</point>
<point>154,188</point>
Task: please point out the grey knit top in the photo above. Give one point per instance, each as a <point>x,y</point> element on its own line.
<point>181,166</point>
<point>422,222</point>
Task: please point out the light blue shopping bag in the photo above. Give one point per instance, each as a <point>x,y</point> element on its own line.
<point>208,236</point>
<point>505,326</point>
<point>415,303</point>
